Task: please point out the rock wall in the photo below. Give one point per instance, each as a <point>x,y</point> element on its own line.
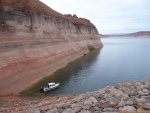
<point>35,41</point>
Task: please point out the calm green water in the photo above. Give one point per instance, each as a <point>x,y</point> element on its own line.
<point>120,60</point>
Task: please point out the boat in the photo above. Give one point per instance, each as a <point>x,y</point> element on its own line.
<point>49,86</point>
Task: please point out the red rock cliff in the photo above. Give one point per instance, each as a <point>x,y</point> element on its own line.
<point>35,40</point>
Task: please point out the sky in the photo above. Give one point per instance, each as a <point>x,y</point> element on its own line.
<point>109,16</point>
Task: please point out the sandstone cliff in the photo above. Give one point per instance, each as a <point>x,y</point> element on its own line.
<point>35,40</point>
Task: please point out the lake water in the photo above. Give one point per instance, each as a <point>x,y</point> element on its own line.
<point>120,60</point>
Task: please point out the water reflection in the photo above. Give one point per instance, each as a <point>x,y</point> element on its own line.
<point>72,78</point>
<point>120,60</point>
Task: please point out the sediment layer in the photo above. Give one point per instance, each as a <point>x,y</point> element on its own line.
<point>35,41</point>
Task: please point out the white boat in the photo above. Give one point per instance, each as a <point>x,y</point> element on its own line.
<point>50,86</point>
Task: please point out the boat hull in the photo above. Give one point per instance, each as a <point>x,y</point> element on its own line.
<point>50,88</point>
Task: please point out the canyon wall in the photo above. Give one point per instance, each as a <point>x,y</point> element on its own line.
<point>35,41</point>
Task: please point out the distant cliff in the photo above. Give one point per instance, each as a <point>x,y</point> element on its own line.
<point>35,41</point>
<point>140,34</point>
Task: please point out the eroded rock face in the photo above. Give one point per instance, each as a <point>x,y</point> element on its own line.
<point>36,40</point>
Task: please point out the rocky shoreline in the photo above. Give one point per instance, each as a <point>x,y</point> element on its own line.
<point>133,97</point>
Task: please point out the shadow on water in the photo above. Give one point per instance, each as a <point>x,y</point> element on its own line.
<point>70,77</point>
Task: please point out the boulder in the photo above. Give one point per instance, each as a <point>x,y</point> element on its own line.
<point>121,103</point>
<point>141,100</point>
<point>128,109</point>
<point>116,92</point>
<point>109,104</point>
<point>52,111</point>
<point>85,111</point>
<point>129,103</point>
<point>76,107</point>
<point>142,87</point>
<point>93,100</point>
<point>34,110</point>
<point>143,93</point>
<point>108,109</point>
<point>68,111</point>
<point>141,110</point>
<point>145,105</point>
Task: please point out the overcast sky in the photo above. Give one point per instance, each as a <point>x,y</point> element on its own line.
<point>109,16</point>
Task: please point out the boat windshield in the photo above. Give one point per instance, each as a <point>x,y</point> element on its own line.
<point>46,86</point>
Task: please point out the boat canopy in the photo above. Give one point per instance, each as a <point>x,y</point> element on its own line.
<point>49,84</point>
